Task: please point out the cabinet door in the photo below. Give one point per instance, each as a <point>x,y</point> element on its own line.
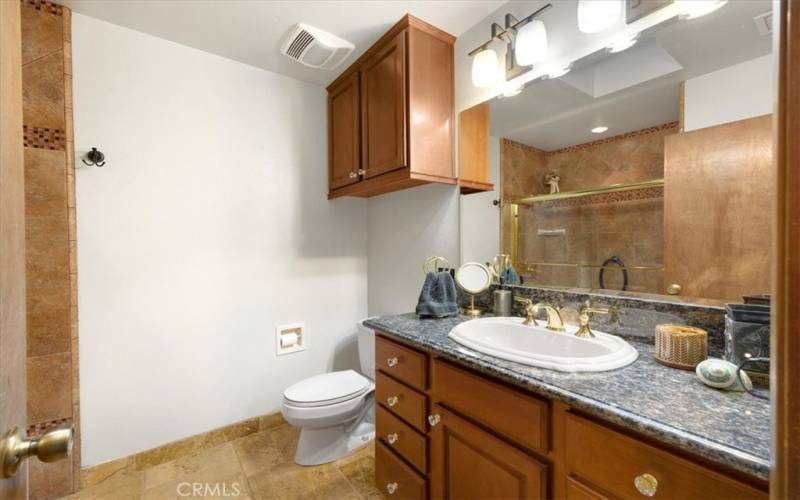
<point>468,462</point>
<point>344,153</point>
<point>383,108</point>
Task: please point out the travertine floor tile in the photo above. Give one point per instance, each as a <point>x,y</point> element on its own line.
<point>257,452</point>
<point>361,475</point>
<point>290,481</point>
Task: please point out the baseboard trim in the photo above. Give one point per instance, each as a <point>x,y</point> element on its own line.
<point>168,452</point>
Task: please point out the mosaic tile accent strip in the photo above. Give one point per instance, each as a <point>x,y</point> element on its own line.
<point>607,140</point>
<point>44,6</point>
<point>519,145</point>
<point>595,199</point>
<point>44,138</point>
<point>35,430</point>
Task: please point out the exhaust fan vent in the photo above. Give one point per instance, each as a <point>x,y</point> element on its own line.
<point>764,23</point>
<point>316,48</point>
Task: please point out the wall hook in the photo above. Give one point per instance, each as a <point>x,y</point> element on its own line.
<point>95,157</point>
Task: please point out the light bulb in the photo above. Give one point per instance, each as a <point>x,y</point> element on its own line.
<point>484,68</point>
<point>622,43</point>
<point>691,9</point>
<point>530,45</point>
<point>598,15</point>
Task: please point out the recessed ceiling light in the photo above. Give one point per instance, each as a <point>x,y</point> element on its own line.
<point>599,130</point>
<point>623,43</point>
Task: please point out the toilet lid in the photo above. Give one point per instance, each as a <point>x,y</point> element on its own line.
<point>327,388</point>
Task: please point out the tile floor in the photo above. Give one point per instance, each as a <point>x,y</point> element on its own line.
<point>258,466</point>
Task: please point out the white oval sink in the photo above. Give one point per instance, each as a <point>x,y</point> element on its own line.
<point>508,338</point>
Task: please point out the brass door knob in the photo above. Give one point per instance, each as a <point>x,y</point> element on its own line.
<point>390,362</point>
<point>646,484</point>
<point>392,438</point>
<point>674,289</point>
<point>15,448</point>
<point>392,400</point>
<point>391,488</point>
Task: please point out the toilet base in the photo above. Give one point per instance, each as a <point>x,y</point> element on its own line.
<point>320,446</point>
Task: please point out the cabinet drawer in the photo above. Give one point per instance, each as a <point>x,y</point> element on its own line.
<point>400,437</point>
<point>614,461</point>
<point>576,490</point>
<point>401,362</point>
<point>519,417</point>
<point>402,401</point>
<point>394,478</point>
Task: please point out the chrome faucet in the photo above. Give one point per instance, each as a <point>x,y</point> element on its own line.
<point>554,321</point>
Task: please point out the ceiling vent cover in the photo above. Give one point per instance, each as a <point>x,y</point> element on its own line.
<point>316,48</point>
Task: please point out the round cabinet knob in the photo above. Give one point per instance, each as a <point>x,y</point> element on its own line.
<point>361,171</point>
<point>674,289</point>
<point>353,175</point>
<point>391,488</point>
<point>392,361</point>
<point>392,400</point>
<point>392,438</point>
<point>434,419</point>
<point>646,484</point>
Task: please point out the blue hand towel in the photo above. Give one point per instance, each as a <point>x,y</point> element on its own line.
<point>438,296</point>
<point>509,276</point>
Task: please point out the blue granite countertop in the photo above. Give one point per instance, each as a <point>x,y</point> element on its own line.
<point>669,405</point>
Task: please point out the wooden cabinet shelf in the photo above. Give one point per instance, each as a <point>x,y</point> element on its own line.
<point>390,114</point>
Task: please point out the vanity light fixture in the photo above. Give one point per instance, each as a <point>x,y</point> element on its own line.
<point>691,9</point>
<point>599,130</point>
<point>595,16</point>
<point>528,35</point>
<point>484,68</point>
<point>558,71</point>
<point>623,43</point>
<point>531,44</point>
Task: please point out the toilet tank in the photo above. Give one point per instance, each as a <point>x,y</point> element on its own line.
<point>366,349</point>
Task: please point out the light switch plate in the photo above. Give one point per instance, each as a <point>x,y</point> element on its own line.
<point>283,331</point>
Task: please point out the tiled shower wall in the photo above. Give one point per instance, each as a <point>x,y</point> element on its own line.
<point>627,224</point>
<point>52,335</point>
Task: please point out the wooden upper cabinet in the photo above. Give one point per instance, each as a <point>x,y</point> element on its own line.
<point>405,113</point>
<point>383,108</point>
<point>473,150</point>
<point>344,149</point>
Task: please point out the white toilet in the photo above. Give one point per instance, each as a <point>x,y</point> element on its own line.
<point>335,411</point>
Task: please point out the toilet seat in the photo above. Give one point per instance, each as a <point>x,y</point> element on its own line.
<point>327,389</point>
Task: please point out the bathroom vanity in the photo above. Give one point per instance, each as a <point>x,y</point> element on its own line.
<point>453,423</point>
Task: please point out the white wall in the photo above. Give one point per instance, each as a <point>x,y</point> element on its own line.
<point>208,227</point>
<point>404,229</point>
<point>480,219</point>
<point>741,91</point>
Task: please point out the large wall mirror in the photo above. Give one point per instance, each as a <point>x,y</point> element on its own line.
<point>646,171</point>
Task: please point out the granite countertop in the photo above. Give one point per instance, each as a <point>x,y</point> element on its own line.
<point>669,405</point>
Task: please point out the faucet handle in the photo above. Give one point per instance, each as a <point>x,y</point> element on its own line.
<point>586,315</point>
<point>530,310</point>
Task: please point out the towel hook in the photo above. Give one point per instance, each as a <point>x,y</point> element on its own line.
<point>431,264</point>
<point>96,158</point>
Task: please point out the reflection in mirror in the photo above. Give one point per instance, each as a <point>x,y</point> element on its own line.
<point>473,278</point>
<point>643,171</point>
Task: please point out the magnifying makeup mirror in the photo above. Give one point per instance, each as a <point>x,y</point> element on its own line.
<point>474,278</point>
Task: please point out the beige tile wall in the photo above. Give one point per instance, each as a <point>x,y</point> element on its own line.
<point>50,236</point>
<point>630,226</point>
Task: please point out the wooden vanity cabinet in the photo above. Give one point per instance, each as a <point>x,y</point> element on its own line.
<point>394,107</point>
<point>445,431</point>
